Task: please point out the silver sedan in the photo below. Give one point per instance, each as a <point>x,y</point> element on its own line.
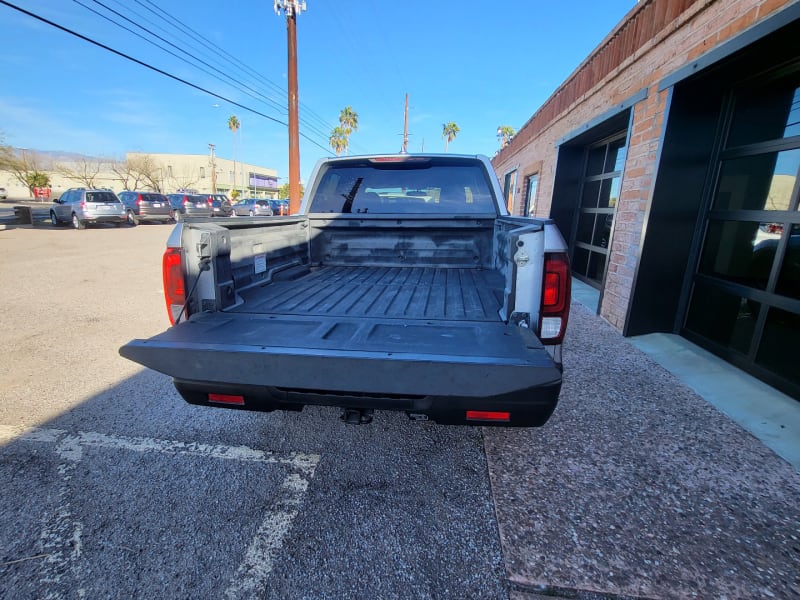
<point>252,207</point>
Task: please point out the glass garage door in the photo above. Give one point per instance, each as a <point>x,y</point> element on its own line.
<point>745,297</point>
<point>599,196</point>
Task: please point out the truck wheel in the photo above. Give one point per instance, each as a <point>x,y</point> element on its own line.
<point>132,220</point>
<point>53,219</point>
<point>77,223</point>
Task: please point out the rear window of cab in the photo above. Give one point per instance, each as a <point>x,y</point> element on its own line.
<point>421,186</point>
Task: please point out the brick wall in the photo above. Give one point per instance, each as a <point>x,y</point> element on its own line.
<point>702,26</point>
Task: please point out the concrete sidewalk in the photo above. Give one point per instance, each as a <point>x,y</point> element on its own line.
<point>639,488</point>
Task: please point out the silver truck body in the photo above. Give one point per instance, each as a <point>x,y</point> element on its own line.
<point>434,312</point>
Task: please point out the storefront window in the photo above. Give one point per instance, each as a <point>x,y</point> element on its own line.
<point>767,112</point>
<point>789,278</point>
<point>722,317</point>
<point>760,182</point>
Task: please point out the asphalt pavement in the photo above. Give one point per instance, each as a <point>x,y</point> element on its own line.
<point>114,487</point>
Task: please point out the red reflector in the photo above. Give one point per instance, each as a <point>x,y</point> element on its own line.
<point>226,399</point>
<point>488,415</point>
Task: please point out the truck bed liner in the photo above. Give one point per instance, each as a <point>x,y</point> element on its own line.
<point>382,292</point>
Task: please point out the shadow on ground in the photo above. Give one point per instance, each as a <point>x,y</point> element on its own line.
<point>134,493</point>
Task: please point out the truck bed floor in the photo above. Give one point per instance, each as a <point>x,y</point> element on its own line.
<point>383,292</point>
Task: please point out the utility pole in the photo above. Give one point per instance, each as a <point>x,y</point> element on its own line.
<point>405,128</point>
<point>213,170</point>
<point>292,8</point>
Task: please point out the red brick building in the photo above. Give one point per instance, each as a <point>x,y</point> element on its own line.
<point>669,160</point>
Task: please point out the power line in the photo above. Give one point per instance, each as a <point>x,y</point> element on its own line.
<point>263,98</point>
<point>151,67</point>
<point>120,25</point>
<point>192,33</point>
<point>149,41</point>
<point>277,105</point>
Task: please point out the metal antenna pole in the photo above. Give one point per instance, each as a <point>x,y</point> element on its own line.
<point>292,8</point>
<point>405,127</point>
<point>213,170</point>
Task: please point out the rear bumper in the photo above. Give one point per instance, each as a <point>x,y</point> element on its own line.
<point>104,218</point>
<point>164,216</point>
<point>530,407</point>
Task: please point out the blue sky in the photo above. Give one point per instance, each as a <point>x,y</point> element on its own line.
<point>480,64</point>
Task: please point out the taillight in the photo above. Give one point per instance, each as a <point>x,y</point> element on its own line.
<point>556,289</point>
<point>488,415</point>
<point>185,200</point>
<point>226,399</point>
<point>174,290</point>
<point>139,200</point>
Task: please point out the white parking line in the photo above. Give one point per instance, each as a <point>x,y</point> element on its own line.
<point>62,535</point>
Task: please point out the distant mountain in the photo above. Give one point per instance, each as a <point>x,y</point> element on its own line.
<point>60,155</point>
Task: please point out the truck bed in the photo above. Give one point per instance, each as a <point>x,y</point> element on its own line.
<point>415,293</point>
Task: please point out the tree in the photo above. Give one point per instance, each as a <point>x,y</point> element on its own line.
<point>283,191</point>
<point>449,132</point>
<point>233,125</point>
<point>139,171</point>
<point>348,122</point>
<point>338,140</point>
<point>85,171</point>
<point>26,167</point>
<point>504,134</point>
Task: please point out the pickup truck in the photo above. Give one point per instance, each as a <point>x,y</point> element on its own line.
<point>403,284</point>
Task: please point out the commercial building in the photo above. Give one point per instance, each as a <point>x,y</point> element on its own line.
<point>194,171</point>
<point>166,172</point>
<point>669,160</point>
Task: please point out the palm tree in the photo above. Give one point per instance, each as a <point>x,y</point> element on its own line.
<point>233,125</point>
<point>504,134</point>
<point>348,121</point>
<point>338,140</point>
<point>449,132</point>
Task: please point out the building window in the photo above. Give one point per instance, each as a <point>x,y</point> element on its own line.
<point>202,173</point>
<point>169,170</point>
<point>531,187</point>
<point>509,188</point>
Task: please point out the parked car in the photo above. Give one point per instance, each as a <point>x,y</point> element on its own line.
<point>189,205</point>
<point>146,206</point>
<point>220,205</point>
<point>252,207</point>
<point>3,194</point>
<point>279,206</point>
<point>81,206</point>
